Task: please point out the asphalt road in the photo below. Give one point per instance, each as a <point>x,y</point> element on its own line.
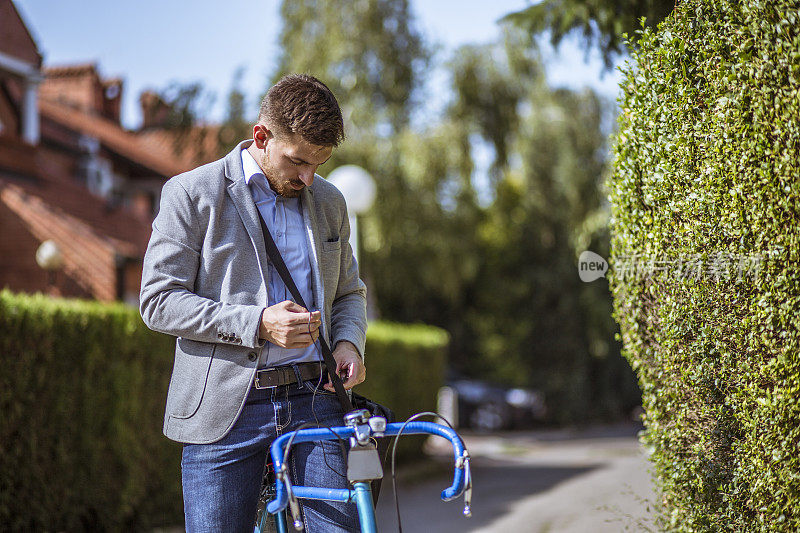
<point>594,480</point>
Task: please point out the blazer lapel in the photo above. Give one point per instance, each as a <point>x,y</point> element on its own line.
<point>310,221</point>
<point>243,200</point>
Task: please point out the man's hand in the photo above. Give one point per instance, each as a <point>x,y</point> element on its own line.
<point>289,325</point>
<point>349,366</point>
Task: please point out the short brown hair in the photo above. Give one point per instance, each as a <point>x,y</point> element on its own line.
<point>302,104</point>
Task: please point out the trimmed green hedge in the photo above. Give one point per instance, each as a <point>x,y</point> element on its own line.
<point>706,259</point>
<point>82,392</point>
<point>82,395</point>
<point>405,366</point>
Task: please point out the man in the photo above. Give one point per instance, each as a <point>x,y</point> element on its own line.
<point>246,363</point>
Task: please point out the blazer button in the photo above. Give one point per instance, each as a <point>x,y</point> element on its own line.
<point>252,356</point>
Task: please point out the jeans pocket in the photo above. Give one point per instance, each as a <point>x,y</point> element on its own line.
<point>312,387</point>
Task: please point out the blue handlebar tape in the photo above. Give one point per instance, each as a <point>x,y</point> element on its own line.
<point>315,434</point>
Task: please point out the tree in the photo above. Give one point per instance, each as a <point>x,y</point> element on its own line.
<point>535,323</point>
<point>367,51</point>
<point>600,23</point>
<point>237,124</point>
<point>370,53</point>
<point>485,257</point>
<point>181,108</point>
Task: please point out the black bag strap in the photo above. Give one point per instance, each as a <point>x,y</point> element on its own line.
<point>327,356</point>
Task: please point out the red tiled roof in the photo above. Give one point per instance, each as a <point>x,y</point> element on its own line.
<point>46,177</point>
<point>200,146</point>
<point>113,137</point>
<point>77,69</point>
<point>89,257</point>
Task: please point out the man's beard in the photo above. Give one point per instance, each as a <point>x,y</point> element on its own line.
<point>281,187</point>
<point>284,188</point>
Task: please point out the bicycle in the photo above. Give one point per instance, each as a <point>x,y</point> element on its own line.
<point>363,466</point>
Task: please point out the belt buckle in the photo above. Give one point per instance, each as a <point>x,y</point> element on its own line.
<point>257,382</point>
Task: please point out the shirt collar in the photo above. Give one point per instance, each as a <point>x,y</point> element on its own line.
<point>251,169</point>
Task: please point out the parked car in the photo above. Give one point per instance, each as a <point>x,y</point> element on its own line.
<point>486,407</point>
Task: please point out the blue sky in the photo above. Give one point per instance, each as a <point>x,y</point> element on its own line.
<point>150,43</point>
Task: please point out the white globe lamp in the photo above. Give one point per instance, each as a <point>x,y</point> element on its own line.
<point>358,189</point>
<point>48,256</point>
<point>50,259</point>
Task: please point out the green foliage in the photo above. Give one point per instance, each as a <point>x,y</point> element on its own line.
<point>82,394</point>
<point>237,125</point>
<point>488,255</point>
<point>405,366</point>
<point>371,55</point>
<point>536,323</point>
<point>367,52</point>
<point>601,23</point>
<point>181,108</point>
<point>706,174</point>
<point>184,104</point>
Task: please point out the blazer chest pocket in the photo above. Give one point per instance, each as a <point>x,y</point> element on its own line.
<point>333,245</point>
<point>330,262</point>
<point>189,377</point>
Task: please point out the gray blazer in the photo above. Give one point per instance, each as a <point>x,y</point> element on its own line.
<point>204,282</point>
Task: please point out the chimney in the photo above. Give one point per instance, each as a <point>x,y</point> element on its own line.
<point>80,86</point>
<point>155,111</point>
<point>74,85</point>
<point>112,99</point>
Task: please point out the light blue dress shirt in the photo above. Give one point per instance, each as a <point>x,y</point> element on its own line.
<point>284,218</point>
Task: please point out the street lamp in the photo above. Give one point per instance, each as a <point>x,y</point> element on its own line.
<point>358,189</point>
<point>49,257</point>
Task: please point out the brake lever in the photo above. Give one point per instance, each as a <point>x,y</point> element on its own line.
<point>463,463</point>
<point>294,506</point>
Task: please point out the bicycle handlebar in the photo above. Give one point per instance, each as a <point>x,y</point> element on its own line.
<point>315,434</point>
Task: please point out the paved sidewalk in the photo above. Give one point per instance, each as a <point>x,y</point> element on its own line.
<point>593,480</point>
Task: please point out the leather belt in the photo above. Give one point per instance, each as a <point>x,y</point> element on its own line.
<point>270,378</point>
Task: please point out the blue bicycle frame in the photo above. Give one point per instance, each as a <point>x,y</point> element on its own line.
<point>287,494</point>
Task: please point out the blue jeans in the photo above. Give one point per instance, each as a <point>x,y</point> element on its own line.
<point>222,480</point>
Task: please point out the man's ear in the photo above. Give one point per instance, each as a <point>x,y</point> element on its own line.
<point>261,136</point>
